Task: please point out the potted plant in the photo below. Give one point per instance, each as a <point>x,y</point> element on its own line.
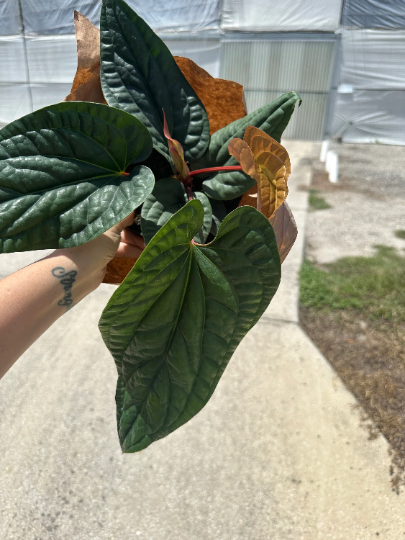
<point>209,192</point>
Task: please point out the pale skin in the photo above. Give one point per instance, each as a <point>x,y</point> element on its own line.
<point>33,298</point>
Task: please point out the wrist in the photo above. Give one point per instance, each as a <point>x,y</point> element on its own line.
<point>76,272</point>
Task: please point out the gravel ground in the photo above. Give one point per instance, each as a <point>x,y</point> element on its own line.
<point>368,204</point>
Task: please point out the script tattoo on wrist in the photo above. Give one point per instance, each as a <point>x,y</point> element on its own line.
<point>66,279</point>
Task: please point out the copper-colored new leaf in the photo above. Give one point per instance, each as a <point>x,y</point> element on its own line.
<point>86,84</point>
<point>272,169</point>
<point>285,229</point>
<point>260,142</point>
<point>243,154</point>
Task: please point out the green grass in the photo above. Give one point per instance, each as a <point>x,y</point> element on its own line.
<point>400,234</point>
<point>375,285</point>
<point>316,202</point>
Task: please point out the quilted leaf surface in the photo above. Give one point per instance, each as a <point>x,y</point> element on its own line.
<point>140,76</point>
<point>175,321</point>
<point>62,175</point>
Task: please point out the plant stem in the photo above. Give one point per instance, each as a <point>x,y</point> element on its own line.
<point>216,169</point>
<point>189,193</point>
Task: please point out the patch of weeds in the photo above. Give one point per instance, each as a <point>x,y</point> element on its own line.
<point>373,285</point>
<point>316,202</point>
<point>400,234</point>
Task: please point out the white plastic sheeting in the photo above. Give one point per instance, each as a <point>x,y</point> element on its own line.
<point>372,64</point>
<point>373,59</point>
<point>285,16</point>
<point>374,13</point>
<point>371,117</point>
<point>180,15</point>
<point>56,17</point>
<point>10,20</point>
<point>45,17</point>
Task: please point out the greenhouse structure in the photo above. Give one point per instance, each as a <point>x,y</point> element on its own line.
<point>344,57</point>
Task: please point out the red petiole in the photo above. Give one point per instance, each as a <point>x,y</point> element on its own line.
<point>216,169</point>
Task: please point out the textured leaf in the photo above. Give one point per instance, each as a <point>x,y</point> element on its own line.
<point>285,229</point>
<point>260,142</point>
<point>167,197</point>
<point>240,150</point>
<point>62,180</point>
<point>175,321</point>
<point>140,76</point>
<point>272,119</point>
<point>202,234</point>
<point>225,186</point>
<point>86,85</point>
<point>268,163</point>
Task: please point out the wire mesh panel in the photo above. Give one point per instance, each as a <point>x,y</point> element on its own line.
<point>269,67</point>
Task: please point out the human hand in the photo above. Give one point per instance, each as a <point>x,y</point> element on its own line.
<point>122,242</point>
<point>90,260</point>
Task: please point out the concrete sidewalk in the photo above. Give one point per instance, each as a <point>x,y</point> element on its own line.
<point>277,453</point>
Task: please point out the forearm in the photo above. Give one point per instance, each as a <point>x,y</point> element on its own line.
<point>33,298</point>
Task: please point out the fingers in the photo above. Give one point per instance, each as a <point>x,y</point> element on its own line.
<point>126,250</point>
<point>129,237</point>
<point>131,245</point>
<point>119,227</point>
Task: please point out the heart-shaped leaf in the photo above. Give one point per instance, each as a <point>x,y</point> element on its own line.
<point>285,229</point>
<point>62,175</point>
<point>175,321</point>
<point>140,76</point>
<point>268,163</point>
<point>272,119</point>
<point>167,197</point>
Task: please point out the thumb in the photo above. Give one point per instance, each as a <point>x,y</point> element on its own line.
<point>119,227</point>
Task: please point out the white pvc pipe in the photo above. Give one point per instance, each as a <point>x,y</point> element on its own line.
<point>332,166</point>
<point>324,150</point>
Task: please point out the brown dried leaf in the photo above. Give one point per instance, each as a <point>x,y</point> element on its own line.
<point>86,85</point>
<point>223,100</point>
<point>285,229</point>
<point>249,198</point>
<point>118,269</point>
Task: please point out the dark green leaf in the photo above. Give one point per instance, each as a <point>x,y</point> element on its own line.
<point>202,234</point>
<point>272,119</point>
<point>62,180</point>
<point>225,186</point>
<point>140,76</point>
<point>167,197</point>
<point>218,215</point>
<point>175,321</point>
